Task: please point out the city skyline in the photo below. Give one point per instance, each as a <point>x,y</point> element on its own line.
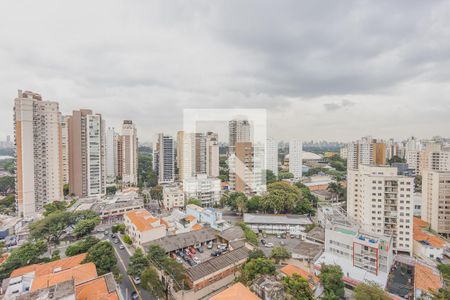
<point>318,72</point>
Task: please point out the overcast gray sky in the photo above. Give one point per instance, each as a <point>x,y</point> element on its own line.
<point>332,70</point>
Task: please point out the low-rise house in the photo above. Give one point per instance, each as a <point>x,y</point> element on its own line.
<point>142,227</point>
<point>173,196</point>
<point>309,276</point>
<point>236,291</point>
<point>60,279</point>
<point>268,288</point>
<point>209,215</point>
<point>112,209</point>
<point>277,224</point>
<point>426,244</point>
<point>426,281</point>
<point>215,269</point>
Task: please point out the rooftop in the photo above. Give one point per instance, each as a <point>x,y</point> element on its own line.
<point>427,238</point>
<point>62,290</point>
<point>218,263</point>
<point>426,278</point>
<point>307,249</point>
<point>232,233</point>
<point>236,291</point>
<point>277,219</point>
<point>290,270</point>
<point>183,240</point>
<point>100,288</point>
<point>142,219</point>
<point>317,233</point>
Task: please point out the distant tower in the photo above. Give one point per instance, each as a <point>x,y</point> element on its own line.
<point>129,153</point>
<point>295,158</point>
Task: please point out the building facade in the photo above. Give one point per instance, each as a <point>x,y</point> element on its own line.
<point>173,196</point>
<point>111,154</point>
<point>295,159</point>
<point>87,164</point>
<point>366,151</point>
<point>129,157</point>
<point>164,158</point>
<point>272,156</point>
<point>382,201</point>
<point>206,189</point>
<point>39,167</point>
<point>239,132</point>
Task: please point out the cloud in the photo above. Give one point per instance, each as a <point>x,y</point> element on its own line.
<point>149,60</point>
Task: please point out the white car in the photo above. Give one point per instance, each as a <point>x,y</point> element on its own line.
<point>197,260</point>
<point>179,259</point>
<point>137,280</point>
<point>269,245</point>
<point>121,247</point>
<point>210,245</point>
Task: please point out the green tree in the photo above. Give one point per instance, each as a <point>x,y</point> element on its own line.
<point>255,267</point>
<point>396,159</point>
<point>81,246</point>
<point>285,175</point>
<point>256,253</point>
<point>138,263</point>
<point>150,281</point>
<point>331,280</point>
<point>86,226</point>
<point>53,207</point>
<point>8,205</point>
<point>66,189</point>
<point>253,204</point>
<point>270,177</point>
<point>250,235</point>
<point>241,203</point>
<point>298,288</point>
<point>156,253</point>
<point>7,185</point>
<point>127,240</point>
<point>445,270</point>
<point>51,227</point>
<point>156,193</point>
<point>55,255</point>
<point>111,190</point>
<point>26,254</point>
<point>102,255</point>
<point>441,294</point>
<point>280,253</point>
<point>118,228</point>
<point>370,291</point>
<point>232,199</point>
<point>335,189</point>
<point>195,202</point>
<point>418,184</point>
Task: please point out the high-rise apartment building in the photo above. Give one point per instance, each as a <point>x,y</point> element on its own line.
<point>65,147</point>
<point>382,202</point>
<point>129,157</point>
<point>367,151</point>
<point>212,154</point>
<point>87,172</point>
<point>239,132</point>
<point>295,158</point>
<point>434,157</point>
<point>185,154</point>
<point>164,158</point>
<point>204,188</point>
<point>39,173</point>
<point>111,154</point>
<point>272,156</point>
<point>436,200</point>
<point>200,153</point>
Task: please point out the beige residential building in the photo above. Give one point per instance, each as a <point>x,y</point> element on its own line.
<point>39,175</point>
<point>173,196</point>
<point>436,200</point>
<point>382,202</point>
<point>65,147</point>
<point>142,227</point>
<point>129,156</point>
<point>434,158</point>
<point>87,173</point>
<point>212,154</point>
<point>367,151</point>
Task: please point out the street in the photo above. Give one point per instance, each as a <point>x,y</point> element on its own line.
<point>126,284</point>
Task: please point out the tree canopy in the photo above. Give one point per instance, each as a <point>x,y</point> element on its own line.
<point>138,263</point>
<point>280,253</point>
<point>330,277</point>
<point>370,291</point>
<point>151,282</point>
<point>81,246</point>
<point>7,185</point>
<point>298,288</point>
<point>195,202</point>
<point>26,254</point>
<point>255,267</point>
<point>103,256</point>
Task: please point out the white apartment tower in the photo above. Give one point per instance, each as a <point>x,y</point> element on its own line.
<point>87,171</point>
<point>39,174</point>
<point>295,158</point>
<point>206,189</point>
<point>111,154</point>
<point>366,151</point>
<point>239,132</point>
<point>212,154</point>
<point>185,154</point>
<point>65,147</point>
<point>272,156</point>
<point>164,158</point>
<point>382,202</point>
<point>129,153</point>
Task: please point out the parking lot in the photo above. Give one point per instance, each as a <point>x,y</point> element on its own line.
<point>202,257</point>
<point>287,242</point>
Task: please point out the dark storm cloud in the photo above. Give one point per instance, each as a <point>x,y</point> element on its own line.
<point>149,60</point>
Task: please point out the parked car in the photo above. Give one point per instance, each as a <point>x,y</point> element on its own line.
<point>113,235</point>
<point>199,249</point>
<point>263,241</point>
<point>121,247</point>
<point>216,253</point>
<point>210,245</point>
<point>178,259</point>
<point>292,236</point>
<point>134,296</point>
<point>137,280</point>
<point>192,250</point>
<point>278,235</point>
<point>197,260</point>
<point>269,245</point>
<point>105,232</point>
<point>191,262</point>
<point>116,241</point>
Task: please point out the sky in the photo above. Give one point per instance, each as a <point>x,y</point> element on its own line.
<point>323,70</point>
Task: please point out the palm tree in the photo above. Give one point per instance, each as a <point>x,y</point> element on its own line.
<point>335,189</point>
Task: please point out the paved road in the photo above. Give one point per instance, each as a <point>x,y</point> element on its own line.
<point>126,285</point>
